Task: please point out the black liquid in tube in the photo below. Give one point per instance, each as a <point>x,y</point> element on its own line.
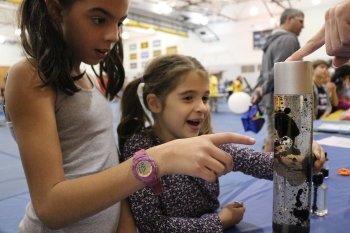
<point>293,109</point>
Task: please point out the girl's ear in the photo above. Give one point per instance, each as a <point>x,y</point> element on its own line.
<point>153,103</point>
<point>54,8</point>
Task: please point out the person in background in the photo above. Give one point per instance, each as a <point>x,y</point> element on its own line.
<point>214,93</point>
<point>322,101</point>
<point>341,78</point>
<point>238,84</point>
<point>334,34</point>
<point>64,128</point>
<point>2,114</point>
<point>174,92</point>
<point>229,89</point>
<point>282,42</point>
<point>331,90</point>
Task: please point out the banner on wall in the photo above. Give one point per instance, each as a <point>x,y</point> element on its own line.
<point>157,53</point>
<point>144,45</point>
<point>144,54</point>
<point>171,50</point>
<point>259,38</point>
<point>132,47</point>
<point>156,43</point>
<point>133,56</point>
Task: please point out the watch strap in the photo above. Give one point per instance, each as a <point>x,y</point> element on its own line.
<point>145,169</point>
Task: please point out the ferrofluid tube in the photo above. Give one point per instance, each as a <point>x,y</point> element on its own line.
<point>293,109</point>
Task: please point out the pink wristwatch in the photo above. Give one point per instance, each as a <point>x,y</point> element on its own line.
<point>145,169</point>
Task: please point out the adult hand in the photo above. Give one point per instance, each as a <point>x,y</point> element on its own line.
<point>231,214</point>
<point>197,156</point>
<point>335,34</point>
<point>256,96</point>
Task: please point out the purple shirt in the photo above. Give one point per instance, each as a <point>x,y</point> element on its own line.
<point>188,204</point>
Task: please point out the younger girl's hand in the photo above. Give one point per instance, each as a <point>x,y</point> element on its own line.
<point>319,154</point>
<point>231,214</point>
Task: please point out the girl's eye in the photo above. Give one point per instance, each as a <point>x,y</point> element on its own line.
<point>205,99</point>
<point>99,20</point>
<point>188,98</point>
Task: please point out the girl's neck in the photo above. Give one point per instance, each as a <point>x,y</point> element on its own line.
<point>77,73</point>
<point>157,131</point>
<point>76,69</point>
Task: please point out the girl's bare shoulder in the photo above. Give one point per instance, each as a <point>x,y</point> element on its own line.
<point>23,80</point>
<point>24,71</point>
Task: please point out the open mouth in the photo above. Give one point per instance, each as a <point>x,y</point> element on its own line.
<point>193,122</point>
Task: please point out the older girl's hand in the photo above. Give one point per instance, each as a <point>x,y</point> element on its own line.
<point>197,156</point>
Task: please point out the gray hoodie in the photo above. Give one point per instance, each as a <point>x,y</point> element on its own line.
<point>278,47</point>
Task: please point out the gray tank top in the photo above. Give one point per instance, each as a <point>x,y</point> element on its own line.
<point>84,123</point>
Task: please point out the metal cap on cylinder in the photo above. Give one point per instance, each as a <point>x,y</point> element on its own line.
<point>293,78</point>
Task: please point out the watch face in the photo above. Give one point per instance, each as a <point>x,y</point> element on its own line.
<point>144,168</point>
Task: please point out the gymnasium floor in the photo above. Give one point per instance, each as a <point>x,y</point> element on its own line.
<point>13,188</point>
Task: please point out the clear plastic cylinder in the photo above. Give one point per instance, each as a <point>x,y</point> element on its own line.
<point>319,195</point>
<point>293,106</point>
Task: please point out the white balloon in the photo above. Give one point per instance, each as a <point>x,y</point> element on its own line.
<point>239,102</point>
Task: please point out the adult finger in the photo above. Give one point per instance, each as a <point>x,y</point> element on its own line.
<point>223,138</point>
<point>312,45</point>
<point>339,61</point>
<point>341,16</point>
<point>337,36</point>
<point>332,39</point>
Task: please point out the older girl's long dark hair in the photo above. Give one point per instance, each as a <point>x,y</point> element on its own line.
<point>43,41</point>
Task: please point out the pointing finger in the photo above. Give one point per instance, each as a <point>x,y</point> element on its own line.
<point>312,45</point>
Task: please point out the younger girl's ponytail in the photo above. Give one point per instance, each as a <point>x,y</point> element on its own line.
<point>133,117</point>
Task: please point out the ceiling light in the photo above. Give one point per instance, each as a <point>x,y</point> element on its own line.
<point>163,8</point>
<point>2,39</point>
<point>197,18</point>
<point>316,2</point>
<point>125,35</point>
<point>253,11</point>
<point>204,20</point>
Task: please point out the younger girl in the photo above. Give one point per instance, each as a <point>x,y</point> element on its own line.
<point>174,93</point>
<point>63,124</point>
